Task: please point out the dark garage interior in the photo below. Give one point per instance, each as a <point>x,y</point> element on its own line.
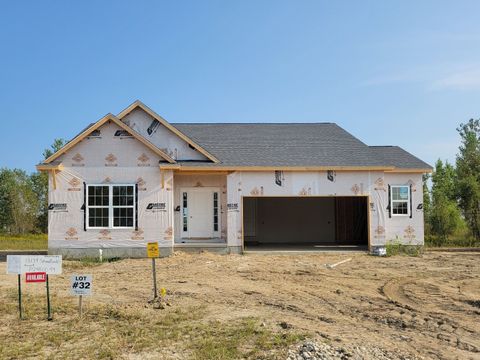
<point>305,222</point>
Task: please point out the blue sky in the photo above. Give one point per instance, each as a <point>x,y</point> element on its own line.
<point>390,72</point>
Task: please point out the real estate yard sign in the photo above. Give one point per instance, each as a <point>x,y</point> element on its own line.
<point>21,264</point>
<point>81,285</point>
<point>37,268</point>
<point>153,252</point>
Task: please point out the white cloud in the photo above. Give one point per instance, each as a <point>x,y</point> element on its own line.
<point>434,77</point>
<point>463,80</point>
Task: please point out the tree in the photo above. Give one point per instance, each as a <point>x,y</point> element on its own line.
<point>57,145</point>
<point>18,202</point>
<point>40,187</point>
<point>468,174</point>
<point>444,217</point>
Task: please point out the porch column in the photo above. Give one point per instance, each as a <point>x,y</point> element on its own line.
<point>234,213</point>
<point>166,196</point>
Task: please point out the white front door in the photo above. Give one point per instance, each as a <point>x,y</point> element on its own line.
<point>200,213</point>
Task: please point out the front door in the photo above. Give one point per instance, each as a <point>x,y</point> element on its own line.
<point>200,213</point>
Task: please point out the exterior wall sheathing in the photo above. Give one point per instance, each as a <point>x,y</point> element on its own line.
<point>382,227</point>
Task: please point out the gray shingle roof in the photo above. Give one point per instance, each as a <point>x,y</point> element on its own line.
<point>293,144</point>
<point>398,157</point>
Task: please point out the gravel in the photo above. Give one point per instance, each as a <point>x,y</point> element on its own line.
<point>312,350</point>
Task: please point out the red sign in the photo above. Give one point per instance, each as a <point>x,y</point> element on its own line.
<point>35,277</point>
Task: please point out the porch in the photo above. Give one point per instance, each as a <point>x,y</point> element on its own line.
<point>200,202</point>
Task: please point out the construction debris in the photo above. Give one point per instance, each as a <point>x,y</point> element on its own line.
<point>312,350</point>
<point>332,266</point>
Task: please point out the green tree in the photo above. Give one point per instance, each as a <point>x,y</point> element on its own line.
<point>444,216</point>
<point>40,187</point>
<point>57,145</point>
<point>468,174</point>
<point>18,202</point>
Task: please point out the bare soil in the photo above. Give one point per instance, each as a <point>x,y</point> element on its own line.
<point>412,307</point>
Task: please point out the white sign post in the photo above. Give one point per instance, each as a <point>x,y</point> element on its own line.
<point>21,264</point>
<point>81,285</point>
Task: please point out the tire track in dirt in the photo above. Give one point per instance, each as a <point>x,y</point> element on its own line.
<point>437,320</point>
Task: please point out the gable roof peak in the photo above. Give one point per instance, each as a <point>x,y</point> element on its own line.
<point>138,104</point>
<point>99,123</point>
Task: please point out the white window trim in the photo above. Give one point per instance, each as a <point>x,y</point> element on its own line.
<point>110,208</point>
<point>408,200</point>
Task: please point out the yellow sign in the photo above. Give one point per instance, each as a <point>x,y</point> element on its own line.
<point>152,250</point>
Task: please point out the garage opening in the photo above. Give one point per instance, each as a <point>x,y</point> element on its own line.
<point>305,222</point>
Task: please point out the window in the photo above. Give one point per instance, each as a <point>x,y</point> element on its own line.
<point>185,212</point>
<point>400,200</point>
<point>215,211</point>
<point>111,206</point>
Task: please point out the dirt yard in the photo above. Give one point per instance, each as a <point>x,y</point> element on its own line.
<point>253,306</point>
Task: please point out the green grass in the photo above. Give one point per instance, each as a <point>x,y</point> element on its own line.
<point>240,340</point>
<point>23,242</point>
<point>451,241</point>
<point>109,331</point>
<point>394,248</point>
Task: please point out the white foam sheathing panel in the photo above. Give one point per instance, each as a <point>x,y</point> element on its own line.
<point>66,226</point>
<point>405,229</point>
<point>160,136</point>
<point>323,183</point>
<point>109,156</point>
<point>110,147</point>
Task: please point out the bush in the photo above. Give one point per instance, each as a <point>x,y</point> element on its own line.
<point>445,219</point>
<point>395,247</point>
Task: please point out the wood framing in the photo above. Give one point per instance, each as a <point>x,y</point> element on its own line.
<point>413,171</point>
<point>139,104</point>
<point>226,168</point>
<point>217,168</point>
<point>53,169</point>
<point>44,167</point>
<point>99,123</point>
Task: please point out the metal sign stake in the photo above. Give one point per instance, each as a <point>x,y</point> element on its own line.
<point>49,310</point>
<point>20,295</point>
<point>80,305</point>
<point>154,273</point>
<point>153,252</point>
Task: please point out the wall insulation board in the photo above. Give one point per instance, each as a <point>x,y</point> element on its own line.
<point>109,156</point>
<point>152,130</point>
<point>345,183</point>
<point>406,229</point>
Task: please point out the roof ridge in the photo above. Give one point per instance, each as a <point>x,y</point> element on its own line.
<point>253,123</point>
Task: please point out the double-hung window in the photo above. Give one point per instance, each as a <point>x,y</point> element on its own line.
<point>110,206</point>
<point>400,200</point>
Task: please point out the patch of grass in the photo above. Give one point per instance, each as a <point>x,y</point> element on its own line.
<point>114,331</point>
<point>242,339</point>
<point>395,247</point>
<point>461,240</point>
<point>24,242</point>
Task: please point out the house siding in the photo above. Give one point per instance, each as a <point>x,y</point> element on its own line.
<point>360,183</point>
